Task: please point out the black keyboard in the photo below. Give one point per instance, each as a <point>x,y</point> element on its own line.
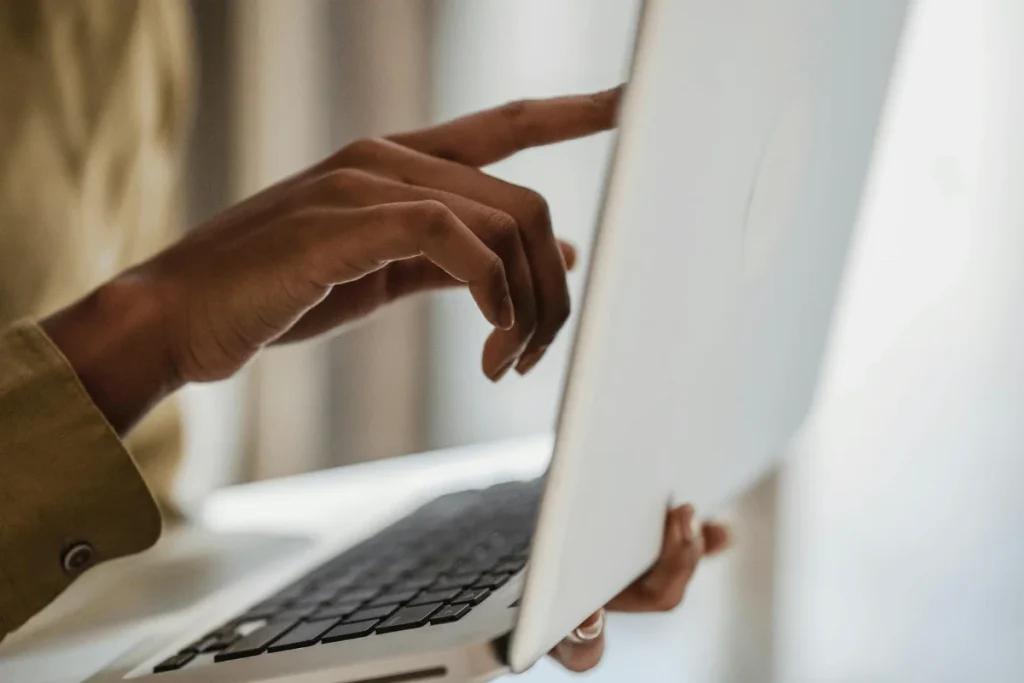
<point>431,567</point>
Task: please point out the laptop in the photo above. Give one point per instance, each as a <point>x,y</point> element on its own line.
<point>746,137</point>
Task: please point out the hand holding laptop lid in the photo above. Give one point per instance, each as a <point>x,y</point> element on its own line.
<point>661,589</point>
<point>376,221</point>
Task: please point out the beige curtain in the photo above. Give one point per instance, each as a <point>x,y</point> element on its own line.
<point>379,371</point>
<point>312,75</point>
<point>283,83</point>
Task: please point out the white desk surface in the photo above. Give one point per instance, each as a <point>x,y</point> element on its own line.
<point>254,528</point>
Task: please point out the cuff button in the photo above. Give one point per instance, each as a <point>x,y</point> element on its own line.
<point>77,558</point>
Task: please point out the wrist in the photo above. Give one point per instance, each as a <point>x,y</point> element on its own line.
<point>114,340</point>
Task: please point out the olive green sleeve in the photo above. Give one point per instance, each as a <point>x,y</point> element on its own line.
<point>70,495</point>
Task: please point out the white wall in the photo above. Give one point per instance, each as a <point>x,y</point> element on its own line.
<point>901,557</point>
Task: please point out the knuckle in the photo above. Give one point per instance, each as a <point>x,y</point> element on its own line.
<point>517,123</point>
<point>536,211</point>
<point>513,111</point>
<point>502,231</point>
<point>496,272</point>
<point>361,150</point>
<point>344,180</point>
<point>433,218</point>
<point>433,210</point>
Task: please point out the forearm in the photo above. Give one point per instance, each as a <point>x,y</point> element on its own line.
<point>114,340</point>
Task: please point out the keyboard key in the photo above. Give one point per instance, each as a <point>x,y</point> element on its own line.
<point>447,545</point>
<point>396,598</point>
<point>450,613</point>
<point>415,584</point>
<point>473,596</point>
<point>174,662</point>
<point>409,617</point>
<point>289,593</point>
<point>456,581</point>
<point>217,641</point>
<point>316,598</point>
<point>383,584</point>
<point>509,567</point>
<point>305,634</point>
<point>492,581</point>
<point>342,582</point>
<point>265,609</point>
<point>247,626</point>
<point>336,611</point>
<point>436,596</point>
<point>358,594</point>
<point>256,642</point>
<point>473,567</point>
<point>359,629</point>
<point>295,612</point>
<point>372,613</point>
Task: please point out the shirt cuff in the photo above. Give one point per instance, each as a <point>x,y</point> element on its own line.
<point>70,494</point>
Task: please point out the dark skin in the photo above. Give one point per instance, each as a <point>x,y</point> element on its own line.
<point>377,221</point>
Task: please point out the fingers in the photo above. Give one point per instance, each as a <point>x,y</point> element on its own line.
<point>717,538</point>
<point>489,136</point>
<point>396,280</point>
<point>497,229</point>
<point>441,159</point>
<point>569,256</point>
<point>414,276</point>
<point>526,343</point>
<point>663,587</point>
<point>582,649</point>
<point>368,239</point>
<point>549,274</point>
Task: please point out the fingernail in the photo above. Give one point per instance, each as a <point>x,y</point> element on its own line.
<point>497,374</point>
<point>589,630</point>
<point>695,533</point>
<point>507,314</point>
<point>528,360</point>
<point>678,535</point>
<point>690,527</point>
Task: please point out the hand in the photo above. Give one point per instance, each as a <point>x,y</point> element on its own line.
<point>378,220</point>
<point>661,589</point>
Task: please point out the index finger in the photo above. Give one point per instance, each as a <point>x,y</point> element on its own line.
<point>489,136</point>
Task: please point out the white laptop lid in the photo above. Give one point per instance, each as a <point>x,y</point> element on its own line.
<point>747,132</point>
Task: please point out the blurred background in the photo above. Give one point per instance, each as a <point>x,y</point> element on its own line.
<point>886,548</point>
